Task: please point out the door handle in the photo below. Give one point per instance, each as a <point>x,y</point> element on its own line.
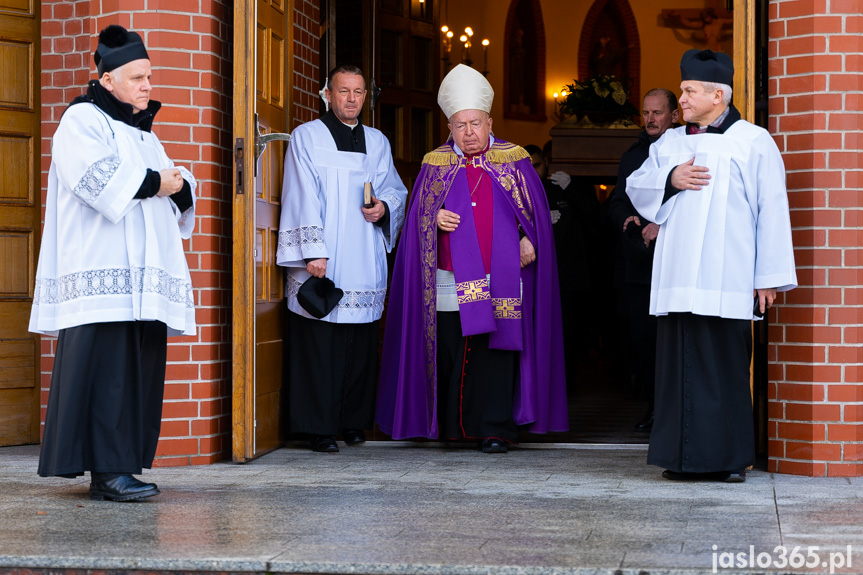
<point>261,140</point>
<point>376,93</point>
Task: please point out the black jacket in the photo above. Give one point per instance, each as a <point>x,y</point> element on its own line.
<point>638,258</point>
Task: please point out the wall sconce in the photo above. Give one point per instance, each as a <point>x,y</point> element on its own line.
<point>558,99</point>
<point>466,40</point>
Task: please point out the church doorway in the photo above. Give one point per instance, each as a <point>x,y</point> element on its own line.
<point>398,47</point>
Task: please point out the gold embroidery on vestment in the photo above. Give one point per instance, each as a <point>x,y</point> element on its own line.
<point>506,308</point>
<point>439,174</point>
<point>505,153</point>
<point>469,292</point>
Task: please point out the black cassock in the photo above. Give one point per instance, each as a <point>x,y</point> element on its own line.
<point>703,418</point>
<point>105,404</point>
<point>332,375</point>
<point>475,384</point>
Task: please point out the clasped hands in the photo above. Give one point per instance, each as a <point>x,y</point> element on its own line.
<point>448,221</point>
<point>648,233</point>
<point>171,182</point>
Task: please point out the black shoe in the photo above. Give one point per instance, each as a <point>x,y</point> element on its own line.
<point>121,488</point>
<point>324,444</point>
<point>678,475</point>
<point>354,436</point>
<point>493,445</point>
<point>645,424</point>
<point>733,476</point>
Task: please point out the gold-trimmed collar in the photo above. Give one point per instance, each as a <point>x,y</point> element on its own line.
<point>499,153</point>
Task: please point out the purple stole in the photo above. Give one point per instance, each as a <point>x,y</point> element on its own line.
<point>486,307</point>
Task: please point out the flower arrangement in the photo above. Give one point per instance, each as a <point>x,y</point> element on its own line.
<point>602,99</point>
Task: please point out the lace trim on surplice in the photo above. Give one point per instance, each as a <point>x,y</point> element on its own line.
<point>352,299</point>
<point>93,182</point>
<point>113,281</point>
<point>302,236</point>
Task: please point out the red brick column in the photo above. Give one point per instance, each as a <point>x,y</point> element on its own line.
<point>816,108</point>
<point>189,43</point>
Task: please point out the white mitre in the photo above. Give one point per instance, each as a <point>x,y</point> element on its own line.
<point>464,89</point>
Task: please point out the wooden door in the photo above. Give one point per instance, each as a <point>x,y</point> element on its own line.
<point>261,55</point>
<point>20,219</point>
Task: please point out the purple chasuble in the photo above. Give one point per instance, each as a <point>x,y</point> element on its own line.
<point>407,396</point>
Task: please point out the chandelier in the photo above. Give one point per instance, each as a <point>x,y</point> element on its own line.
<point>466,42</point>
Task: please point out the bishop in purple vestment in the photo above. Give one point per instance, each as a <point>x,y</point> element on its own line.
<point>473,345</point>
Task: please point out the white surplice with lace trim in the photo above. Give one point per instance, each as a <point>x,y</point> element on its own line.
<point>106,256</point>
<point>321,217</point>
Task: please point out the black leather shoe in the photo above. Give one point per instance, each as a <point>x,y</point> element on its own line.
<point>324,444</point>
<point>122,488</point>
<point>493,445</point>
<point>354,436</point>
<point>733,476</point>
<point>677,475</point>
<point>645,424</point>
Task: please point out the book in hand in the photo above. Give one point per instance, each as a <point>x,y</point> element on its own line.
<point>368,194</point>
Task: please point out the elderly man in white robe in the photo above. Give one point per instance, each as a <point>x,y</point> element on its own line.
<point>716,187</point>
<point>329,230</point>
<point>112,279</point>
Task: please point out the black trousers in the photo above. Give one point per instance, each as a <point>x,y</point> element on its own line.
<point>703,413</point>
<point>332,376</point>
<point>105,404</point>
<point>475,384</point>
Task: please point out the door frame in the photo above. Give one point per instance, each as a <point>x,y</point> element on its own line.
<point>243,308</point>
<point>744,58</point>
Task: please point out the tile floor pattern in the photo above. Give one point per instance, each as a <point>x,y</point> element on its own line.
<point>424,509</point>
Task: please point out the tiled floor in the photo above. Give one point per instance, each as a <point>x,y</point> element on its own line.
<point>410,508</point>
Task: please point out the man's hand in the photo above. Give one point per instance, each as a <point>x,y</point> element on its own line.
<point>629,220</point>
<point>649,233</point>
<point>562,179</point>
<point>765,298</point>
<point>689,177</point>
<point>528,254</point>
<point>447,221</point>
<point>172,182</point>
<point>318,267</point>
<point>375,212</point>
<point>555,216</point>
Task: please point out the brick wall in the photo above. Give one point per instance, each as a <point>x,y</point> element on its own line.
<point>307,78</point>
<point>816,108</point>
<point>190,46</point>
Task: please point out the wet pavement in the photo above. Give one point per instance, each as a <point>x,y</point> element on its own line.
<point>421,508</point>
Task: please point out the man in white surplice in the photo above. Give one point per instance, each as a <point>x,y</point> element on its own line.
<point>716,187</point>
<point>112,280</point>
<point>326,231</point>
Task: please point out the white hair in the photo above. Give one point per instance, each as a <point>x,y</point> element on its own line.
<point>713,86</point>
<point>116,74</point>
